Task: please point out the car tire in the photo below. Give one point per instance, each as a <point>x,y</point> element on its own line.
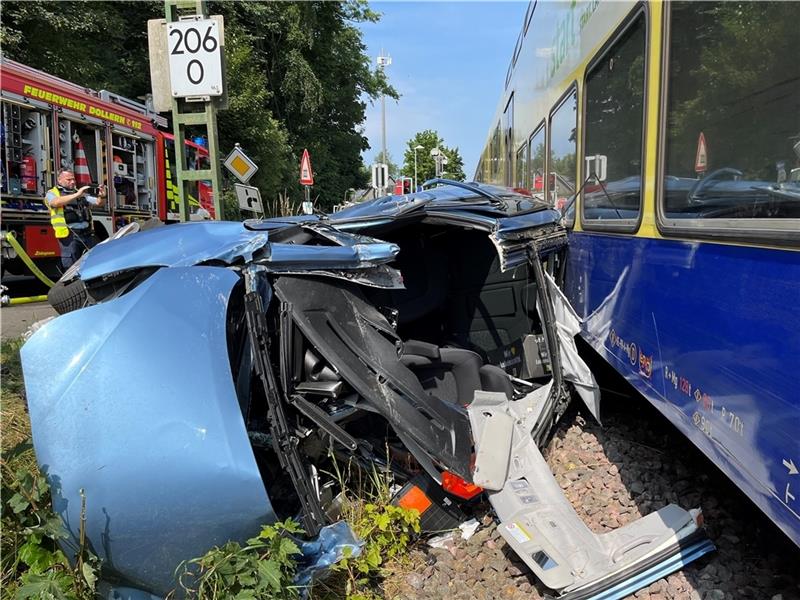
<point>67,297</point>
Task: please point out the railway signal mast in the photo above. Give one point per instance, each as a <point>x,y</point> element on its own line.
<point>383,62</point>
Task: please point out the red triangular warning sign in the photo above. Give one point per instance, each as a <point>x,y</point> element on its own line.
<point>701,158</point>
<point>306,174</point>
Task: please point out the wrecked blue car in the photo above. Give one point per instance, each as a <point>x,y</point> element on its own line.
<point>217,369</point>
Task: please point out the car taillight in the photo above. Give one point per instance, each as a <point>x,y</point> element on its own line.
<point>453,484</point>
<point>414,498</point>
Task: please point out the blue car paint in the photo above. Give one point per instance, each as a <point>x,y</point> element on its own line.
<point>179,245</point>
<point>708,334</point>
<point>133,401</point>
<point>187,244</point>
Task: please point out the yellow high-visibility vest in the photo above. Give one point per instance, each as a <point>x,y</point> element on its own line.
<point>57,219</point>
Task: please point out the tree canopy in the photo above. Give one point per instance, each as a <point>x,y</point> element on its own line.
<point>426,166</point>
<point>298,76</point>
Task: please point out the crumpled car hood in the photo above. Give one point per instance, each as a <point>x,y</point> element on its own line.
<point>133,401</point>
<point>228,243</point>
<point>179,245</point>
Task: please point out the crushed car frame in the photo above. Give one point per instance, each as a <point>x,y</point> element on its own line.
<point>218,367</point>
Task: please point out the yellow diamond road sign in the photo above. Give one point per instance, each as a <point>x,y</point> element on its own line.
<point>240,164</point>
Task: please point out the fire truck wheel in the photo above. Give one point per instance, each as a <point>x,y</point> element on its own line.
<point>66,297</point>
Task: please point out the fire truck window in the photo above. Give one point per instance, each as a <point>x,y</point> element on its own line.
<point>614,124</point>
<point>732,137</point>
<point>79,150</point>
<point>563,123</point>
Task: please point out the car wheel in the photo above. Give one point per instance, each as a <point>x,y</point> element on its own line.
<point>66,297</point>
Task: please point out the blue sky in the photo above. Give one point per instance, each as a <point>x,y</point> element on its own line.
<point>449,62</point>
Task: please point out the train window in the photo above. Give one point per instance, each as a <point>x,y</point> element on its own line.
<point>613,130</point>
<point>562,161</point>
<point>508,141</point>
<point>529,15</point>
<point>521,169</point>
<point>536,153</point>
<point>494,159</point>
<point>732,127</point>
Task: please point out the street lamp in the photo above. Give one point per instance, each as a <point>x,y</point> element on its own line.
<point>416,181</point>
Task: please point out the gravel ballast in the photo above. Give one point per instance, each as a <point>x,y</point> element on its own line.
<point>633,465</point>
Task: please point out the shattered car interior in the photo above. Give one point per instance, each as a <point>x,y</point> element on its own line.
<point>424,333</point>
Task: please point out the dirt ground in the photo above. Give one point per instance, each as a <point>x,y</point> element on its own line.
<point>635,464</point>
<point>15,320</point>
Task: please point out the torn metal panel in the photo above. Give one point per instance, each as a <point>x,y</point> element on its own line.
<point>357,255</point>
<point>381,276</point>
<point>540,525</point>
<point>516,245</point>
<point>575,370</point>
<point>387,206</point>
<point>359,342</point>
<point>133,401</point>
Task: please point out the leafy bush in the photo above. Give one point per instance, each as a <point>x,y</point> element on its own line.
<point>264,569</point>
<point>387,531</point>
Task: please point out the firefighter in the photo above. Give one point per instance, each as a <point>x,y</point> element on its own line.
<point>71,216</point>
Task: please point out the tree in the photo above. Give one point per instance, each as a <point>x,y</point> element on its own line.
<point>426,166</point>
<point>314,63</point>
<point>298,76</point>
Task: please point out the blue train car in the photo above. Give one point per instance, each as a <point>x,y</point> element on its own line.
<point>670,134</point>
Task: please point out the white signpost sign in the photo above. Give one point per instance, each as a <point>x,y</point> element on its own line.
<point>380,176</point>
<point>249,198</point>
<point>195,58</point>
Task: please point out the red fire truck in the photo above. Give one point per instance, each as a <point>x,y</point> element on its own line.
<point>49,124</point>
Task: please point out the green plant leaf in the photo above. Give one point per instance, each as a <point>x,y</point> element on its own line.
<point>270,571</point>
<point>89,575</point>
<point>42,586</point>
<point>37,558</point>
<point>18,503</point>
<point>383,521</point>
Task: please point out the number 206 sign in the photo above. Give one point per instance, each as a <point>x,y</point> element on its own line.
<point>195,58</point>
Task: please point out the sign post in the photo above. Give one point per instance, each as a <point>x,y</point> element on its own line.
<point>193,46</point>
<point>306,179</point>
<point>249,199</point>
<point>380,177</point>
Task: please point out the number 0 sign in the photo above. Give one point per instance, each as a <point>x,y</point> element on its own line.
<point>195,58</point>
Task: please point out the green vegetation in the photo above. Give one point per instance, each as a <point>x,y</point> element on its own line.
<point>263,569</point>
<point>426,167</point>
<point>387,531</point>
<point>298,76</point>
